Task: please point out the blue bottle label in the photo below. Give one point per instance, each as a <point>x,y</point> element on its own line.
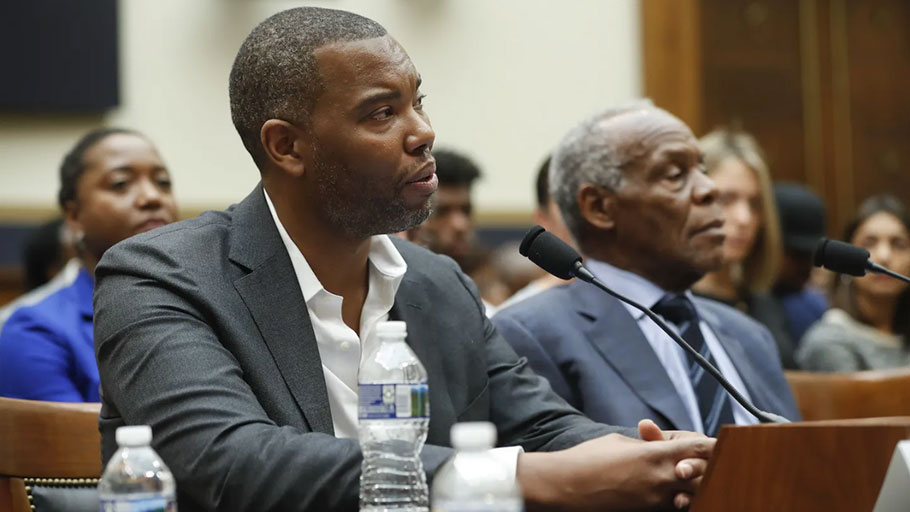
<point>393,401</point>
<point>139,505</point>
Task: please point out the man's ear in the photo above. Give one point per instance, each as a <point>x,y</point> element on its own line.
<point>597,205</point>
<point>285,146</point>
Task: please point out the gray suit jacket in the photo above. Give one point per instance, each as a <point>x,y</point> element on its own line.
<point>201,331</point>
<point>595,356</point>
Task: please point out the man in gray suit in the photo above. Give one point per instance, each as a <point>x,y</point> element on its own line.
<point>237,335</point>
<point>631,186</point>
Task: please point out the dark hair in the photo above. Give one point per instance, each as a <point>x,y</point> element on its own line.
<point>883,203</point>
<point>42,251</point>
<point>73,164</point>
<point>453,168</point>
<point>543,183</point>
<point>274,75</point>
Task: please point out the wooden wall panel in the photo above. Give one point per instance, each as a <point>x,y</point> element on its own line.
<point>821,84</point>
<point>876,36</point>
<point>672,55</point>
<point>752,77</point>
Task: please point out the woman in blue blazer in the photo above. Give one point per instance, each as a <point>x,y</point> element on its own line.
<point>113,184</point>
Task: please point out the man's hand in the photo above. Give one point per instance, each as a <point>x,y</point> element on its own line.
<point>649,431</point>
<point>616,473</point>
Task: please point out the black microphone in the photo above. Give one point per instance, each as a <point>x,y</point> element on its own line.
<point>550,253</point>
<point>845,258</point>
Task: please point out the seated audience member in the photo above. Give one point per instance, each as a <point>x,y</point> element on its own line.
<point>802,221</point>
<point>50,264</point>
<point>630,185</point>
<point>113,184</point>
<point>514,270</point>
<point>547,215</point>
<point>869,326</point>
<point>237,335</point>
<point>480,265</point>
<point>511,272</point>
<point>752,247</point>
<point>450,228</point>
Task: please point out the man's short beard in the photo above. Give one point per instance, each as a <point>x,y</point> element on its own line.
<point>344,206</point>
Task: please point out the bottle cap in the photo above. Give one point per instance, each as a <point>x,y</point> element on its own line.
<point>392,328</point>
<point>134,435</point>
<point>473,435</point>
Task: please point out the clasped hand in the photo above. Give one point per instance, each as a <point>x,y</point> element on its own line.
<point>661,471</point>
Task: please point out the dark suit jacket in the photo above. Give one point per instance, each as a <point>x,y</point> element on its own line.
<point>201,331</point>
<point>595,356</point>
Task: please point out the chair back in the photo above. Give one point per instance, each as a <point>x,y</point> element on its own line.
<point>50,456</point>
<point>867,394</point>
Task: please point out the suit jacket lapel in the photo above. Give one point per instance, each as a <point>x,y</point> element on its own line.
<point>411,306</point>
<point>273,297</point>
<point>616,335</point>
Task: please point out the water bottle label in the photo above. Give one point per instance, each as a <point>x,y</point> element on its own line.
<point>393,401</point>
<point>139,505</point>
<point>478,506</point>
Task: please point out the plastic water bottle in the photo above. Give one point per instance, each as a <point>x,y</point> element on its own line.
<point>474,480</point>
<point>136,479</point>
<point>394,413</point>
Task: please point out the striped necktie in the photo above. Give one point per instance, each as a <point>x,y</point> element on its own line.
<point>713,401</point>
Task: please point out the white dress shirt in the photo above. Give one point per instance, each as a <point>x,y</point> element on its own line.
<point>671,355</point>
<point>340,348</point>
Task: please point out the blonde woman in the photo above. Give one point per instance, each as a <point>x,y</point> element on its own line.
<point>752,248</point>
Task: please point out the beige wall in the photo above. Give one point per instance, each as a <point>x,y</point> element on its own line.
<point>504,80</point>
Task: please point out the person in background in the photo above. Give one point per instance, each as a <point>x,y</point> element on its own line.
<point>515,271</point>
<point>546,215</point>
<point>869,326</point>
<point>450,228</point>
<point>752,248</point>
<point>802,222</point>
<point>50,263</point>
<point>113,184</point>
<point>482,267</point>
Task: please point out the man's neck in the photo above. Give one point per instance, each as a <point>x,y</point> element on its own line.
<point>669,279</point>
<point>338,261</point>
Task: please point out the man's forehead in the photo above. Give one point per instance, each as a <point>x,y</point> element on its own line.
<point>351,58</point>
<point>649,131</point>
<point>645,123</point>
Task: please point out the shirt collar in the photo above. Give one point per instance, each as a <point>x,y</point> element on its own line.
<point>384,258</point>
<point>632,285</point>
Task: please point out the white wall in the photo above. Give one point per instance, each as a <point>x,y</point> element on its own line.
<point>504,80</point>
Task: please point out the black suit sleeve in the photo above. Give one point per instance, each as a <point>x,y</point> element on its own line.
<point>524,407</point>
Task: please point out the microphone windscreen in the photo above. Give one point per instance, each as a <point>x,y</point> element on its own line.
<point>841,257</point>
<point>550,253</point>
<point>529,238</point>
